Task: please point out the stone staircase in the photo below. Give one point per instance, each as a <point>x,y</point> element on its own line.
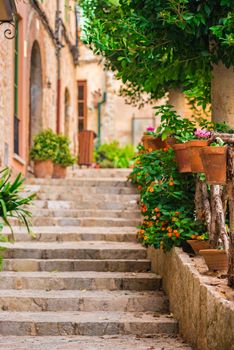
<point>83,282</point>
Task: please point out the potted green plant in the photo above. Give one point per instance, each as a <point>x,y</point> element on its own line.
<point>43,153</point>
<point>63,157</point>
<point>151,141</point>
<point>214,159</point>
<point>194,146</point>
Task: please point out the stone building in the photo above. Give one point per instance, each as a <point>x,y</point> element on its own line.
<point>37,77</point>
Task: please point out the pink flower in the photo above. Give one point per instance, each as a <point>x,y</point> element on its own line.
<point>202,133</point>
<point>150,128</point>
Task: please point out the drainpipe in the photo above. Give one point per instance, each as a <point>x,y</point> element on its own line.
<point>58,55</point>
<point>99,116</point>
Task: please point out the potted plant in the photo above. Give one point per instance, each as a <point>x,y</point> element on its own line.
<point>199,242</point>
<point>63,157</point>
<point>194,147</point>
<point>151,141</point>
<point>214,159</point>
<point>43,153</point>
<point>216,259</point>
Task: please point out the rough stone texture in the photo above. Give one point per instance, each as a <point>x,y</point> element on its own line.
<point>160,342</point>
<point>222,91</point>
<point>205,317</point>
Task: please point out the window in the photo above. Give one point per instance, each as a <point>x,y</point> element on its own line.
<point>82,105</point>
<point>16,89</point>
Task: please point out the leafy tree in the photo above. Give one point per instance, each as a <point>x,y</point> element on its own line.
<point>158,45</point>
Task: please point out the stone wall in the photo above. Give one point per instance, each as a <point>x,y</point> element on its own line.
<point>206,319</point>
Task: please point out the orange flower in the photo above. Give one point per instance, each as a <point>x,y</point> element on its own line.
<point>151,190</point>
<point>145,238</point>
<point>177,213</point>
<point>169,234</point>
<point>171,183</point>
<point>142,232</point>
<point>156,210</point>
<point>150,149</point>
<point>158,215</point>
<point>139,187</point>
<point>175,231</point>
<point>194,236</point>
<point>177,234</point>
<point>169,229</point>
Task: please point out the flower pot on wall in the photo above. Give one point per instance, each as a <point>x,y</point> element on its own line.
<point>59,172</point>
<point>194,148</point>
<point>214,161</point>
<point>198,245</point>
<point>216,260</point>
<point>43,168</point>
<point>182,157</point>
<point>151,143</point>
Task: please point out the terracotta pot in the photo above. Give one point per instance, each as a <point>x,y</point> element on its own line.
<point>151,143</point>
<point>59,172</point>
<point>198,245</point>
<point>214,161</point>
<point>216,260</point>
<point>43,168</point>
<point>171,141</point>
<point>194,148</point>
<point>182,157</point>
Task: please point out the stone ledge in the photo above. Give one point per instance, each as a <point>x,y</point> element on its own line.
<point>206,319</point>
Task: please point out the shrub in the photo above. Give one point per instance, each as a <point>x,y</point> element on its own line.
<point>63,155</point>
<point>112,155</point>
<point>167,200</point>
<point>45,146</point>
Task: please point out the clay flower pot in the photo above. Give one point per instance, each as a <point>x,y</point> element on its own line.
<point>43,169</point>
<point>198,245</point>
<point>214,161</point>
<point>182,157</point>
<point>59,172</point>
<point>216,260</point>
<point>151,143</point>
<point>194,148</point>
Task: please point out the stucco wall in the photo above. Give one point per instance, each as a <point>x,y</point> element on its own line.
<point>206,319</point>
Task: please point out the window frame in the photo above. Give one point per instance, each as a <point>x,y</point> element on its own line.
<point>83,84</point>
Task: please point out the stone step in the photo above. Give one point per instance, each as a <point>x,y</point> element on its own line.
<point>94,204</point>
<point>70,300</point>
<point>76,265</point>
<point>74,250</point>
<point>157,342</point>
<point>76,213</point>
<point>99,173</point>
<point>73,233</point>
<point>85,323</point>
<point>86,197</point>
<point>76,190</point>
<point>87,221</point>
<point>87,280</point>
<point>79,182</point>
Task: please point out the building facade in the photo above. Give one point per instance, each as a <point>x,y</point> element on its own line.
<point>36,67</point>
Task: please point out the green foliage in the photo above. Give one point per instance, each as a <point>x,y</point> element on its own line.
<point>63,155</point>
<point>12,201</point>
<point>167,200</point>
<point>155,46</point>
<point>112,155</point>
<point>45,146</point>
<point>174,125</point>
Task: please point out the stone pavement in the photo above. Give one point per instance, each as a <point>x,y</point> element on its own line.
<point>83,282</point>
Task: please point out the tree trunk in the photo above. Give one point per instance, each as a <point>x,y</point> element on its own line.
<point>222,92</point>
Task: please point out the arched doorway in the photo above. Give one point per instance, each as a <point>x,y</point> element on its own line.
<point>67,112</point>
<point>35,119</point>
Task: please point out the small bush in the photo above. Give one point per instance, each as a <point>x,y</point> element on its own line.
<point>112,155</point>
<point>63,155</point>
<point>45,146</point>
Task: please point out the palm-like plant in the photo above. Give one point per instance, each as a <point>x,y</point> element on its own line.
<point>12,200</point>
